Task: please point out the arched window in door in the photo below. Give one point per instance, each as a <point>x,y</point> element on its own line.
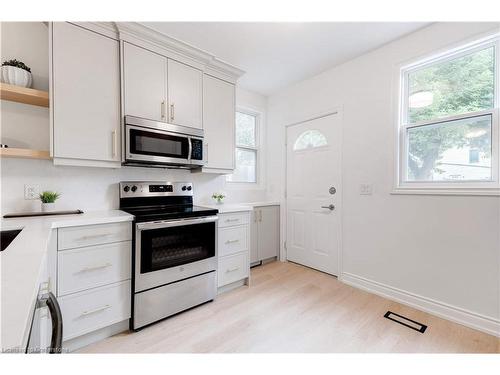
<point>310,139</point>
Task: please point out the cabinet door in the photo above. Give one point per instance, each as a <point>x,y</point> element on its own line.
<point>86,94</point>
<point>254,237</point>
<point>218,123</point>
<point>184,95</point>
<point>144,83</point>
<point>269,231</point>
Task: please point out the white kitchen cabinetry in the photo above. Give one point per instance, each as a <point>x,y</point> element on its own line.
<point>265,233</point>
<point>85,97</point>
<point>233,250</point>
<point>184,95</point>
<point>218,125</point>
<point>144,83</point>
<point>93,277</point>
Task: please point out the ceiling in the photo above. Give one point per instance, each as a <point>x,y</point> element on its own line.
<point>276,55</point>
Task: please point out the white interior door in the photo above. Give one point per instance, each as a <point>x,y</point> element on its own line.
<point>313,193</point>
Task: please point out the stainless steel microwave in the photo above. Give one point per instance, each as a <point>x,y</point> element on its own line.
<point>157,144</point>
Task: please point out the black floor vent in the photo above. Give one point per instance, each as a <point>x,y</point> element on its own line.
<point>405,321</point>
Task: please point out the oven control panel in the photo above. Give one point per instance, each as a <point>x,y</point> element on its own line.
<point>137,189</point>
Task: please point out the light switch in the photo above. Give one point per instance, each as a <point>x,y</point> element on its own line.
<point>365,189</point>
<point>31,191</point>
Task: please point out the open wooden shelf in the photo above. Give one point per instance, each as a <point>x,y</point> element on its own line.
<point>24,153</point>
<point>24,95</point>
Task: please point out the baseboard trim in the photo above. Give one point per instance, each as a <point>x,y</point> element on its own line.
<point>455,314</point>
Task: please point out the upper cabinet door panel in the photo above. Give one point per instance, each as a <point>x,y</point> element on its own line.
<point>144,83</point>
<point>218,123</point>
<point>184,95</point>
<point>86,94</point>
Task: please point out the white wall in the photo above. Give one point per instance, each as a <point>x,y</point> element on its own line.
<point>442,248</point>
<point>85,188</point>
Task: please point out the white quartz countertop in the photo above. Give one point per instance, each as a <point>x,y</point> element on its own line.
<point>240,207</point>
<point>22,265</point>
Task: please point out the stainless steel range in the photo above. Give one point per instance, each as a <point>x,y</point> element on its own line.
<point>175,249</point>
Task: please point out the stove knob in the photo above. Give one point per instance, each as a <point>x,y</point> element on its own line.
<point>189,188</point>
<point>126,189</point>
<point>183,188</point>
<point>134,188</point>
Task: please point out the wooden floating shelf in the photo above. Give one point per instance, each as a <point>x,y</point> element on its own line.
<point>24,153</point>
<point>24,95</point>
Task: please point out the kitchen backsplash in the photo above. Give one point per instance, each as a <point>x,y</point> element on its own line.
<point>96,188</point>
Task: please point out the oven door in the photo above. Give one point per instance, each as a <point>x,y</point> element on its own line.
<point>156,146</point>
<point>169,251</point>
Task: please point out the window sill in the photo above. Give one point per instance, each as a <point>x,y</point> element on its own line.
<point>446,191</point>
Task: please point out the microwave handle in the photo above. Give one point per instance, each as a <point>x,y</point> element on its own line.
<point>190,151</point>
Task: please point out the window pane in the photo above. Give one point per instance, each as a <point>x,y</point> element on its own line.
<point>246,161</point>
<point>455,150</point>
<point>309,139</point>
<point>452,87</point>
<point>245,129</point>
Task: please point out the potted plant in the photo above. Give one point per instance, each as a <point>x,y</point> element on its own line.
<point>218,197</point>
<point>48,199</point>
<point>16,72</point>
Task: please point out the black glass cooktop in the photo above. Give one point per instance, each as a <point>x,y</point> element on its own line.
<point>154,213</point>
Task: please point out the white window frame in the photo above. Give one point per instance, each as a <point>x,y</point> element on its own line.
<point>402,185</point>
<point>256,149</point>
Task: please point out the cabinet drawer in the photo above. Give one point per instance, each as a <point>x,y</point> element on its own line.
<point>232,268</point>
<point>89,235</point>
<point>233,240</point>
<point>91,310</point>
<point>91,267</point>
<point>228,220</point>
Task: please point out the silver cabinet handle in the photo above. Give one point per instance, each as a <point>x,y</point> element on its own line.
<point>163,110</point>
<point>232,269</point>
<point>113,144</point>
<point>87,269</point>
<point>260,216</point>
<point>231,220</point>
<point>331,207</point>
<point>232,241</point>
<point>172,113</point>
<point>83,238</point>
<point>88,312</point>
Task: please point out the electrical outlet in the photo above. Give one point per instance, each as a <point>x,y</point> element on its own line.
<point>31,191</point>
<point>365,189</point>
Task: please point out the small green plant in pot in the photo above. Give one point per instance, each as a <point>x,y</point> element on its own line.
<point>16,73</point>
<point>48,199</point>
<point>218,197</point>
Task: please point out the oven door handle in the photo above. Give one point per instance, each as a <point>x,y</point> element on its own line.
<point>175,223</point>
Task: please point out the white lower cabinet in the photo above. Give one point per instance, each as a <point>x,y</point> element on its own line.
<point>93,277</point>
<point>265,233</point>
<point>90,310</point>
<point>233,250</point>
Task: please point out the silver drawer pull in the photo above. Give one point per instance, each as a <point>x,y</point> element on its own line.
<point>231,241</point>
<point>231,220</point>
<point>83,238</point>
<point>105,307</point>
<point>87,269</point>
<point>232,269</point>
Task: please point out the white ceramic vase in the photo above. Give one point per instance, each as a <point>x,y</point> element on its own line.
<point>16,76</point>
<point>48,207</point>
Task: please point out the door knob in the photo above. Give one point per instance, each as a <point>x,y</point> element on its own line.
<point>331,207</point>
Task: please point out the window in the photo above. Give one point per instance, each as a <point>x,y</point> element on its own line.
<point>246,148</point>
<point>309,139</point>
<point>448,127</point>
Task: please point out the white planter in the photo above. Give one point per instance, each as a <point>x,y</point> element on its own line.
<point>48,207</point>
<point>16,76</point>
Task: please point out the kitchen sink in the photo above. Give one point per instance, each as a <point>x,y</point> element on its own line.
<point>7,236</point>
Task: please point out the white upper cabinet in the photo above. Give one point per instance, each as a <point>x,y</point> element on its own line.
<point>85,97</point>
<point>184,95</point>
<point>218,124</point>
<point>144,83</point>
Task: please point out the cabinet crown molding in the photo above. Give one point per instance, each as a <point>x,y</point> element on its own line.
<point>134,32</point>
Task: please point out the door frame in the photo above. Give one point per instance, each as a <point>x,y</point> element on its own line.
<point>336,111</point>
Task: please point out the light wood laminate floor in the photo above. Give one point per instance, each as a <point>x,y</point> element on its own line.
<point>290,308</point>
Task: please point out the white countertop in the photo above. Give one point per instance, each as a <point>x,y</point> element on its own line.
<point>262,204</point>
<point>22,266</point>
<point>239,207</point>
